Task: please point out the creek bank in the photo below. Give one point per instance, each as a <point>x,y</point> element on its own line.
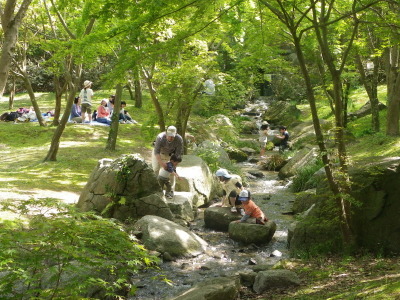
<point>375,219</point>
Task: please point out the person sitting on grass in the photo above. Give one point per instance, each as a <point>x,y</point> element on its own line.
<point>231,185</point>
<point>165,174</point>
<point>103,115</point>
<point>124,116</point>
<point>76,111</point>
<point>251,210</point>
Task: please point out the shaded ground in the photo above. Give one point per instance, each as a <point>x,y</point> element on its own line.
<point>340,278</point>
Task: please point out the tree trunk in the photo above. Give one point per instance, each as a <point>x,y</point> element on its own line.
<point>370,82</point>
<point>59,90</point>
<point>393,91</point>
<point>12,94</point>
<point>138,93</point>
<point>35,105</point>
<point>73,83</point>
<point>154,98</point>
<point>10,22</point>
<point>113,133</point>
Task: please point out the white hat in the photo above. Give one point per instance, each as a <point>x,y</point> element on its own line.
<point>244,195</point>
<point>223,173</point>
<point>171,131</point>
<point>87,83</point>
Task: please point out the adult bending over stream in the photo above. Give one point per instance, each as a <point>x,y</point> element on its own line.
<point>166,144</point>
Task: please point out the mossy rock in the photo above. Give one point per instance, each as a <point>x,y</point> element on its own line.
<point>236,154</point>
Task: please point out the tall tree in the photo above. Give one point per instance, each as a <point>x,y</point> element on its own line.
<point>11,14</point>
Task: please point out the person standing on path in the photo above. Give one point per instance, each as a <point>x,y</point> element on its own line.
<point>86,95</point>
<point>166,144</point>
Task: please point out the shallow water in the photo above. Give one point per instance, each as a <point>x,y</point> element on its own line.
<point>225,256</point>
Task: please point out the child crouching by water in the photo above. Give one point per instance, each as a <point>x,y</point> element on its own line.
<point>164,174</point>
<point>251,210</point>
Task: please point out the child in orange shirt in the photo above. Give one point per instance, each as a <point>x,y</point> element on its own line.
<point>251,210</point>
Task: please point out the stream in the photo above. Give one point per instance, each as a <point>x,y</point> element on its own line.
<point>225,256</point>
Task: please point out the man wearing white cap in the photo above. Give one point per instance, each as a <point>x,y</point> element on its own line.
<point>166,144</point>
<point>86,97</point>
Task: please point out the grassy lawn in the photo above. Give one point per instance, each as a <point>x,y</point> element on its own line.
<point>23,147</point>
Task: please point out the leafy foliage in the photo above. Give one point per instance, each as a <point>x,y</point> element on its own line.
<point>52,251</point>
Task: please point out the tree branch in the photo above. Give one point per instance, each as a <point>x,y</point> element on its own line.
<point>63,23</point>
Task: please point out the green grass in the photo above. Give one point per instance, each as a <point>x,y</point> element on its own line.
<point>23,147</point>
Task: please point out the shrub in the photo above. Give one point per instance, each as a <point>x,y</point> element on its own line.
<point>60,253</point>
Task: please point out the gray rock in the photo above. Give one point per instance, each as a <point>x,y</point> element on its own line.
<point>163,236</point>
<point>302,158</point>
<point>125,188</point>
<point>219,218</point>
<point>197,179</point>
<point>181,205</point>
<point>236,154</point>
<point>247,278</point>
<point>375,220</point>
<point>281,112</point>
<point>248,127</point>
<point>252,233</point>
<point>304,200</point>
<point>271,279</point>
<point>365,110</point>
<point>248,150</point>
<point>256,173</point>
<point>226,288</point>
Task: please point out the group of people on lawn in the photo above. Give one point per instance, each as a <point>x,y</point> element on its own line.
<point>83,105</point>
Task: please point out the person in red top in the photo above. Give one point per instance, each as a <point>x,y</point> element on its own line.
<point>251,210</point>
<point>103,115</point>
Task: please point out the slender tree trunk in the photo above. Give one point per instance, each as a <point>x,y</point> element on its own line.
<point>12,94</point>
<point>138,93</point>
<point>73,79</point>
<point>333,184</point>
<point>59,89</point>
<point>10,22</point>
<point>154,98</point>
<point>393,91</point>
<point>370,82</point>
<point>35,105</point>
<point>113,133</point>
<point>346,92</point>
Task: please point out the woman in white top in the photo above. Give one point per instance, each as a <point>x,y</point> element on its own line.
<point>263,139</point>
<point>86,98</point>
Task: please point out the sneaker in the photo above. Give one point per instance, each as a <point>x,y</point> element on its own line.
<point>233,209</point>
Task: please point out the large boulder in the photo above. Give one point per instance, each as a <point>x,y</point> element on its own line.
<point>302,158</point>
<point>220,288</point>
<point>304,132</point>
<point>162,235</point>
<point>271,279</point>
<point>219,218</point>
<point>281,112</point>
<point>304,200</point>
<point>236,154</point>
<point>248,127</point>
<point>181,206</point>
<point>375,219</point>
<point>125,188</point>
<point>197,179</point>
<point>365,110</point>
<point>247,233</point>
<point>212,149</point>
